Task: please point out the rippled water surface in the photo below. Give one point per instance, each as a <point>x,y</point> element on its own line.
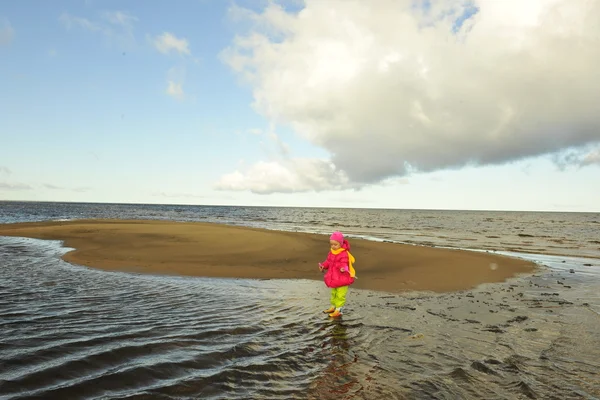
<point>69,332</point>
<point>575,234</point>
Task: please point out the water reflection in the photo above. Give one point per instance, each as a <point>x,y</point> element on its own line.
<point>337,379</point>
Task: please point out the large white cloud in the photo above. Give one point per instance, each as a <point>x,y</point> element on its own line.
<point>286,176</point>
<point>387,88</point>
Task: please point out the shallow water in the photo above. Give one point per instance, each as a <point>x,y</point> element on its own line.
<point>563,233</point>
<point>72,332</point>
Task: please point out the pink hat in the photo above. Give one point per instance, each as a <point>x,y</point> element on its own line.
<point>337,236</point>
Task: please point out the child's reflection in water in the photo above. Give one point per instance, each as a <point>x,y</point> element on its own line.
<point>336,379</point>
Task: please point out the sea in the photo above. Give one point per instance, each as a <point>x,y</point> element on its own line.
<point>73,332</point>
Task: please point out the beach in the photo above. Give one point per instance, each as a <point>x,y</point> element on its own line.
<point>76,332</point>
<point>162,301</point>
<point>223,251</point>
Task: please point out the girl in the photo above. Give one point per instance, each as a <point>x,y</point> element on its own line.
<point>340,272</point>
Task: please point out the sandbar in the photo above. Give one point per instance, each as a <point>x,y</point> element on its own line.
<point>225,251</point>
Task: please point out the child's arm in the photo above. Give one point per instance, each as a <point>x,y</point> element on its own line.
<point>324,265</point>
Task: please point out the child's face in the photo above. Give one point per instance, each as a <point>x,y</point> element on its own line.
<point>334,244</point>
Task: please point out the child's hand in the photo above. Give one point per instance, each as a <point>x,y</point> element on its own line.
<point>343,269</point>
<point>320,267</point>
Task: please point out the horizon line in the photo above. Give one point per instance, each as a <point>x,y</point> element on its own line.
<point>292,206</point>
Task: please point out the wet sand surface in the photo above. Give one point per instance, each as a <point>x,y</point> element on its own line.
<point>215,250</point>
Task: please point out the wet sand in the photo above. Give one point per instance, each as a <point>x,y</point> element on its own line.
<point>215,250</point>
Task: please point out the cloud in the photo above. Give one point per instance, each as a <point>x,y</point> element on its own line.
<point>120,18</point>
<point>577,157</point>
<point>286,176</point>
<point>593,157</point>
<point>116,26</point>
<point>282,147</point>
<point>175,80</point>
<point>7,33</point>
<point>175,90</point>
<point>179,195</point>
<point>168,42</point>
<point>71,21</point>
<point>387,88</point>
<point>5,170</point>
<point>4,186</point>
<point>55,187</point>
<point>402,181</point>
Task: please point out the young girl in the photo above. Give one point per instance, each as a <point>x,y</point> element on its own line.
<point>340,272</point>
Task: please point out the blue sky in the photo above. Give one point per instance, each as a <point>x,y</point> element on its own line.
<point>300,104</point>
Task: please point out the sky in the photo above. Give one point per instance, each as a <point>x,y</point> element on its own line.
<point>438,104</point>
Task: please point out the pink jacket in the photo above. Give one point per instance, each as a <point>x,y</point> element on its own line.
<point>334,277</point>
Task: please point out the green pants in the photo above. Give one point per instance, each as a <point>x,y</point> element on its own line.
<point>338,296</point>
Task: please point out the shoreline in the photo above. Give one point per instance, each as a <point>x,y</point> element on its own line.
<point>493,333</point>
<point>228,251</point>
